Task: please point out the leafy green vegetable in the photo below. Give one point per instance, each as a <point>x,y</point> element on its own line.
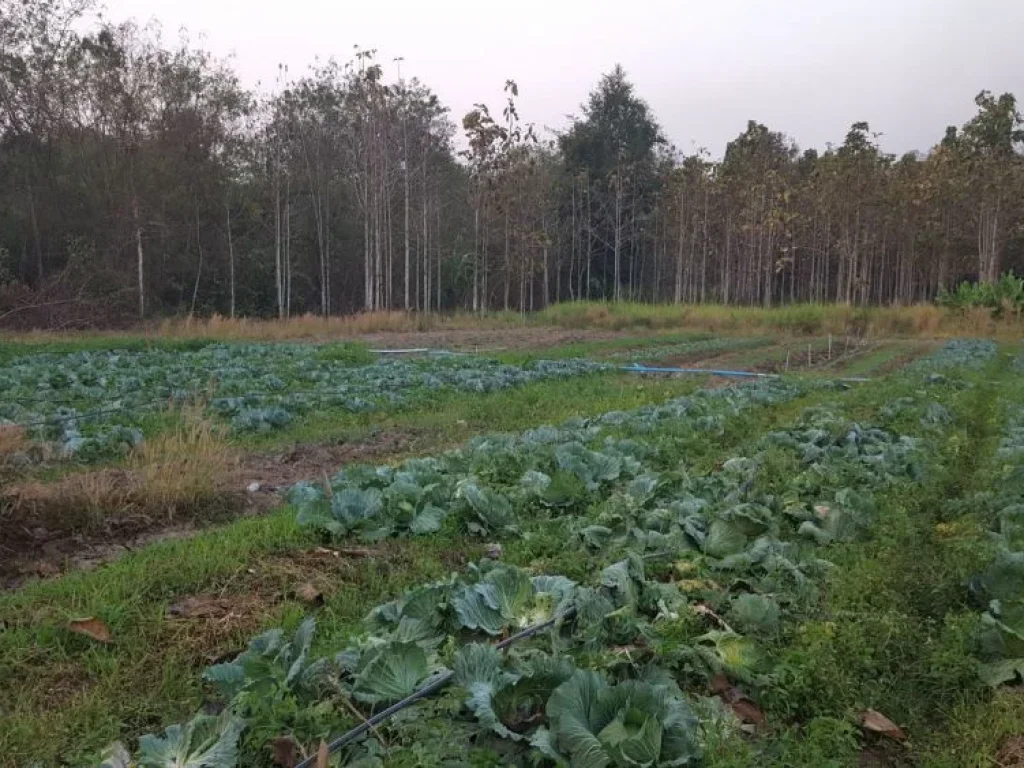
<point>271,663</point>
<point>203,742</point>
<point>755,613</point>
<point>628,724</point>
<point>390,672</point>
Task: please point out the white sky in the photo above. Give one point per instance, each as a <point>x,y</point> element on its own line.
<point>806,67</point>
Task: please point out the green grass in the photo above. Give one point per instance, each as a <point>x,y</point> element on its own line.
<point>149,676</point>
<point>793,319</point>
<point>75,695</point>
<point>12,347</point>
<point>601,348</point>
<point>891,631</point>
<point>452,416</point>
<point>881,356</point>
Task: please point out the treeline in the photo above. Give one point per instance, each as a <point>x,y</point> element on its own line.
<point>138,178</point>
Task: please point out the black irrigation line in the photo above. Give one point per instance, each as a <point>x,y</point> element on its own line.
<point>430,688</point>
<point>442,682</point>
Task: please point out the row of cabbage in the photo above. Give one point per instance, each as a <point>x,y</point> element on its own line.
<point>568,697</point>
<point>958,353</point>
<point>690,570</point>
<point>999,589</point>
<point>483,486</point>
<point>93,402</point>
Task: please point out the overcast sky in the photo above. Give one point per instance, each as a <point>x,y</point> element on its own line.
<point>806,67</point>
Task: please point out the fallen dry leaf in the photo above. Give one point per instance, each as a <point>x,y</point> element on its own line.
<point>702,609</point>
<point>286,751</point>
<point>746,711</point>
<point>876,722</point>
<point>309,594</point>
<point>200,607</point>
<point>323,756</point>
<point>357,552</point>
<point>720,683</point>
<point>93,628</point>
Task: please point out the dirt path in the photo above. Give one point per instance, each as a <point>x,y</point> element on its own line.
<point>482,340</point>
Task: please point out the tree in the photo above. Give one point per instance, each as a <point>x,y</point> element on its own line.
<point>612,147</point>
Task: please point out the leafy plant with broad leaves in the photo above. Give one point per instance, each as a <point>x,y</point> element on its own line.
<point>203,742</point>
<point>276,688</point>
<point>631,723</point>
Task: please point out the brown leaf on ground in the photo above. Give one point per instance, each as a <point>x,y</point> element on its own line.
<point>876,722</point>
<point>200,607</point>
<point>746,711</point>
<point>720,683</point>
<point>309,594</point>
<point>286,751</point>
<point>703,609</point>
<point>358,552</point>
<point>323,756</point>
<point>93,628</point>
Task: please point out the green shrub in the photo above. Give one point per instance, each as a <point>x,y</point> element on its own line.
<point>349,352</point>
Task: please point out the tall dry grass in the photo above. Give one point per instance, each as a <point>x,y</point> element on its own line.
<point>915,320</point>
<point>183,469</point>
<point>184,474</point>
<point>318,327</point>
<point>13,440</point>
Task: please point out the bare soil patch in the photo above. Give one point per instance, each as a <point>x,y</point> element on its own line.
<point>903,359</point>
<point>484,340</point>
<point>86,519</point>
<point>281,469</point>
<point>1011,755</point>
<point>214,626</point>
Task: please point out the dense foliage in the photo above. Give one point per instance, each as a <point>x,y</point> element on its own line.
<point>142,178</point>
<point>685,582</point>
<point>94,403</point>
<point>1003,297</point>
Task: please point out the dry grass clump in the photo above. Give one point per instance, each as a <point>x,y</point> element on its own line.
<point>800,319</point>
<point>182,474</point>
<point>184,468</point>
<point>13,440</point>
<point>311,326</point>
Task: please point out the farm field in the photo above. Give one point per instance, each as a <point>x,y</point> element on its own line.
<point>235,552</point>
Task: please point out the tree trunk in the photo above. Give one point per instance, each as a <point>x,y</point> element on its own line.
<point>140,258</point>
<point>278,266</point>
<point>231,260</point>
<point>199,268</point>
<point>618,238</point>
<point>680,245</point>
<point>476,258</point>
<point>407,265</point>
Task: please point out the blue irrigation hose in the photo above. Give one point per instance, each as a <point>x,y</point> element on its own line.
<point>637,368</point>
